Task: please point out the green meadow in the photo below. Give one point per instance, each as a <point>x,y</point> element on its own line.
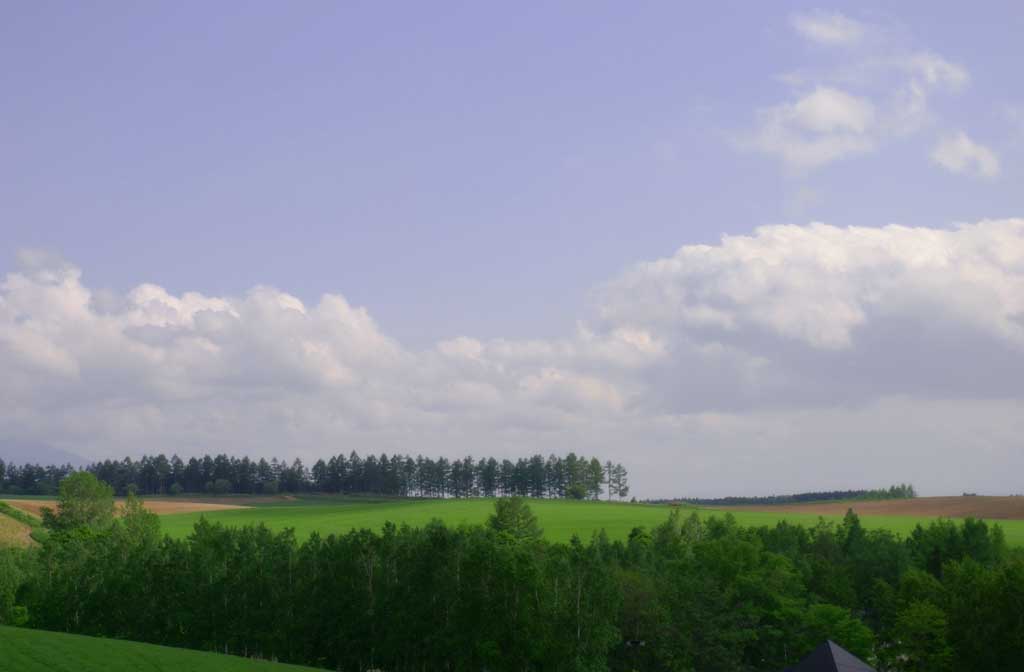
<point>23,650</point>
<point>560,519</point>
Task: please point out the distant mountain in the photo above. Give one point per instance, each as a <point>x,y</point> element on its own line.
<point>22,452</point>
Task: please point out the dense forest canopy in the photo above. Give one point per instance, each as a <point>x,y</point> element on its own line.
<point>691,594</point>
<point>571,476</point>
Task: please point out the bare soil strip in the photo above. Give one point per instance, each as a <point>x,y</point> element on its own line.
<point>158,506</point>
<point>999,508</point>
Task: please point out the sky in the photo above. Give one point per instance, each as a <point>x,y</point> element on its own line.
<point>747,248</point>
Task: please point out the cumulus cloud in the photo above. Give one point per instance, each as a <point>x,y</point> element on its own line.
<point>827,28</point>
<point>818,314</point>
<point>959,154</point>
<point>759,351</point>
<point>820,284</point>
<point>875,96</point>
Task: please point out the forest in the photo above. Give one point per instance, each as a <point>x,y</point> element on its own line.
<point>690,594</point>
<point>572,476</point>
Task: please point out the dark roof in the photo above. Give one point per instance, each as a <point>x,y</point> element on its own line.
<point>830,657</point>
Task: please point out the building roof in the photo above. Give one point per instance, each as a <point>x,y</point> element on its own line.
<point>830,657</point>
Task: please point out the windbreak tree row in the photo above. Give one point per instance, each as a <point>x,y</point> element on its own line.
<point>571,476</point>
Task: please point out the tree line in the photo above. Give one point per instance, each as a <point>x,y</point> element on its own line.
<point>690,594</point>
<point>901,491</point>
<point>571,476</point>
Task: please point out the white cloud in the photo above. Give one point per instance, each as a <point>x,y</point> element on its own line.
<point>828,28</point>
<point>876,95</point>
<point>936,71</point>
<point>959,154</point>
<point>822,285</point>
<point>829,110</point>
<point>820,127</point>
<point>759,351</point>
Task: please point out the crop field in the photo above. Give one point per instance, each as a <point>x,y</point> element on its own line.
<point>25,650</point>
<point>35,506</point>
<point>560,519</point>
<point>13,533</point>
<point>989,508</point>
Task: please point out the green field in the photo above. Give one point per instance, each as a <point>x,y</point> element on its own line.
<point>559,518</point>
<point>23,650</point>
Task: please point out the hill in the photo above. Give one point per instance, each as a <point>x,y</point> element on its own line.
<point>26,650</point>
<point>24,452</point>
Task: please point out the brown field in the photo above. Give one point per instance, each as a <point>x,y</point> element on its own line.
<point>1005,508</point>
<point>13,533</point>
<point>157,506</point>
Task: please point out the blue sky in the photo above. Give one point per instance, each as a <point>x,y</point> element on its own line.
<point>503,175</point>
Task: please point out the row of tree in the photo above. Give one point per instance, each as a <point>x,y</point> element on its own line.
<point>571,476</point>
<point>901,491</point>
<point>690,594</point>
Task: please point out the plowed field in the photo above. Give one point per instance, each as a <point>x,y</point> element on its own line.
<point>159,506</point>
<point>989,508</point>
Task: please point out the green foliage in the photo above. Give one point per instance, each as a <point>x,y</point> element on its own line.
<point>944,541</point>
<point>576,491</point>
<point>220,486</point>
<point>827,621</point>
<point>920,640</point>
<point>15,564</point>
<point>512,517</point>
<point>696,592</point>
<point>83,501</point>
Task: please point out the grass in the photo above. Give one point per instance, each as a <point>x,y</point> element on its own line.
<point>39,651</point>
<point>13,533</point>
<point>560,519</point>
<point>14,522</point>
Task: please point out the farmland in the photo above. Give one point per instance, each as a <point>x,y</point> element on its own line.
<point>35,505</point>
<point>458,596</point>
<point>560,519</point>
<point>997,508</point>
<point>13,533</point>
<point>39,651</point>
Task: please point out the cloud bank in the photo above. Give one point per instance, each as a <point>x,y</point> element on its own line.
<point>794,357</point>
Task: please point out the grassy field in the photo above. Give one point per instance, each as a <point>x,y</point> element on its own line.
<point>560,519</point>
<point>13,533</point>
<point>24,650</point>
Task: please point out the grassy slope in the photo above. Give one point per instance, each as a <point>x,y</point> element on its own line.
<point>560,519</point>
<point>18,528</point>
<point>13,533</point>
<point>38,651</point>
